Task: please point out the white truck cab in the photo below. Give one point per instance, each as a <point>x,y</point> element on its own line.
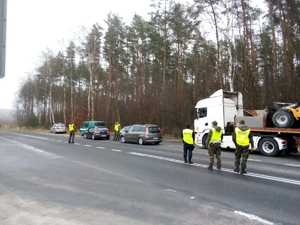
<point>225,108</point>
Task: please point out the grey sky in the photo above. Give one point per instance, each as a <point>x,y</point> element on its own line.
<point>35,25</point>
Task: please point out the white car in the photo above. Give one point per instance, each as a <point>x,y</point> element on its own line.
<point>58,128</point>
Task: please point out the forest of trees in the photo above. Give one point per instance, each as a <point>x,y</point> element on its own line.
<point>154,70</point>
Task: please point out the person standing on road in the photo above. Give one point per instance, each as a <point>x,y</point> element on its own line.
<point>188,137</point>
<point>214,139</point>
<point>242,139</point>
<point>72,130</point>
<point>117,129</point>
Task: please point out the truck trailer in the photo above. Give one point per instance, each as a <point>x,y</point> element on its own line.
<point>227,109</point>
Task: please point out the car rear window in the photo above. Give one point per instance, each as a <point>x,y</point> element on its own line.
<point>153,129</point>
<point>100,124</point>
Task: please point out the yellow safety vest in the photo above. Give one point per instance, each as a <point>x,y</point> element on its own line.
<point>215,136</point>
<point>242,137</point>
<point>117,127</point>
<point>71,127</point>
<point>188,136</point>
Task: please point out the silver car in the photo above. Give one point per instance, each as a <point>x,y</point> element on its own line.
<point>58,128</point>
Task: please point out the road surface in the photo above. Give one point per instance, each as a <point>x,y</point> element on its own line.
<point>45,180</point>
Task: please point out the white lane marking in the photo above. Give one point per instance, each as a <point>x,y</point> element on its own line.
<point>116,150</point>
<point>253,217</point>
<point>292,165</point>
<point>255,160</point>
<point>165,159</point>
<point>170,190</point>
<point>32,136</point>
<point>76,144</point>
<point>256,175</point>
<point>87,145</point>
<point>34,149</point>
<point>192,197</point>
<point>100,147</point>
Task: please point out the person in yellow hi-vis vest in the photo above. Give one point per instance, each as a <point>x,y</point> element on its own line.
<point>242,139</point>
<point>188,137</point>
<point>214,140</point>
<point>117,129</point>
<point>72,130</point>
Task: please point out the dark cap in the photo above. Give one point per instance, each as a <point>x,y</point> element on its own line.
<point>215,123</point>
<point>242,122</point>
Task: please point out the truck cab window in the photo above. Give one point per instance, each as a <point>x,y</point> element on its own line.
<point>202,112</point>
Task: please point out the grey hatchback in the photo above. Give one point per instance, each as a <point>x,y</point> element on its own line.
<point>142,134</point>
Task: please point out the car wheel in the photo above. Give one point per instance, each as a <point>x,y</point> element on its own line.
<point>283,119</point>
<point>141,141</point>
<point>122,139</point>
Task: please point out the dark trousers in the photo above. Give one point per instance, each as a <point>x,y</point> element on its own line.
<point>71,137</point>
<point>241,152</point>
<point>116,136</point>
<point>214,149</point>
<point>188,152</point>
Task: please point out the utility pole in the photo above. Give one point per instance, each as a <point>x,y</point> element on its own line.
<point>3,9</point>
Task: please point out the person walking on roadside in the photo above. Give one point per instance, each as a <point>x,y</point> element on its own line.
<point>188,137</point>
<point>117,129</point>
<point>72,130</point>
<point>214,139</point>
<point>242,139</point>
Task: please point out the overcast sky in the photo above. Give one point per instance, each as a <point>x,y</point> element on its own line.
<point>36,25</point>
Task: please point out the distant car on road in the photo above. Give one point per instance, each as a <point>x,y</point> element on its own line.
<point>58,128</point>
<point>142,134</point>
<point>94,130</point>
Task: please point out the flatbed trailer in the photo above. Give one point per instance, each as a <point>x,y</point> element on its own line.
<point>227,108</point>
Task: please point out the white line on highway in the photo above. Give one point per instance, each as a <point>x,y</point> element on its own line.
<point>116,150</point>
<point>253,217</point>
<point>170,190</point>
<point>34,149</point>
<point>31,136</point>
<point>255,160</point>
<point>76,144</point>
<point>100,147</point>
<point>256,175</point>
<point>87,145</point>
<point>292,165</point>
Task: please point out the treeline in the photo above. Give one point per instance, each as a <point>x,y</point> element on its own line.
<point>155,70</point>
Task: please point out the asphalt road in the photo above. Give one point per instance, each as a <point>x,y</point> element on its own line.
<point>44,180</point>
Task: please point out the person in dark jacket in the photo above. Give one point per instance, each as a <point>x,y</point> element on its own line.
<point>188,137</point>
<point>242,139</point>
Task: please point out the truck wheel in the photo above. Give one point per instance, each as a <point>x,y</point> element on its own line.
<point>283,119</point>
<point>268,146</point>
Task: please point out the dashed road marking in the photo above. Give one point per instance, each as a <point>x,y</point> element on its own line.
<point>87,146</point>
<point>170,190</point>
<point>253,217</point>
<point>100,147</point>
<point>192,198</point>
<point>292,165</point>
<point>76,144</point>
<point>256,175</point>
<point>116,150</point>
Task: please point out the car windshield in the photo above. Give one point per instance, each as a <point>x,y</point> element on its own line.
<point>153,129</point>
<point>100,124</point>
